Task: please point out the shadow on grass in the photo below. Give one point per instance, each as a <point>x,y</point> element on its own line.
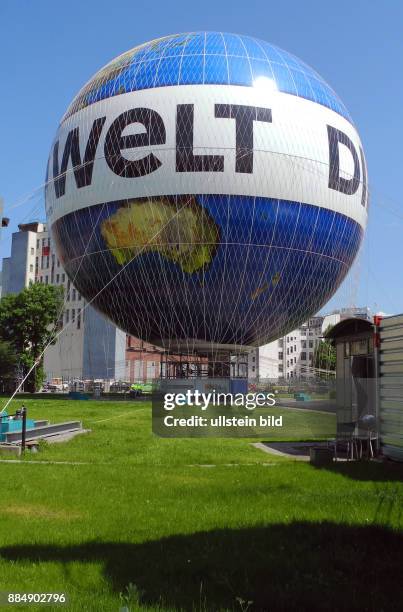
<point>300,566</point>
<point>368,470</point>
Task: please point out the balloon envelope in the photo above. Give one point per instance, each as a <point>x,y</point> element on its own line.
<point>207,188</point>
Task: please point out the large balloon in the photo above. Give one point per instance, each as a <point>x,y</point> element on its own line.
<point>207,188</point>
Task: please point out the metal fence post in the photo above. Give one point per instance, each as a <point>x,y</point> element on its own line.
<point>24,428</point>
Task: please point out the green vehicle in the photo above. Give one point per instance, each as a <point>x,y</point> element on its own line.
<point>139,388</point>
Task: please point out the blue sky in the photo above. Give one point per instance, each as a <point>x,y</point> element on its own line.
<point>49,49</point>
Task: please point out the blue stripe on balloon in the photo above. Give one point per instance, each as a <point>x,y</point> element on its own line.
<point>210,58</point>
<point>277,262</point>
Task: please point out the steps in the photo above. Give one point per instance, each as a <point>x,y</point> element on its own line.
<point>43,430</point>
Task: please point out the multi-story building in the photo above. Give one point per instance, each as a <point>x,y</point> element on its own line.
<point>292,356</point>
<point>88,345</point>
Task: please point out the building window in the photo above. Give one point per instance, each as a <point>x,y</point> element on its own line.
<point>73,314</point>
<point>253,368</point>
<point>37,244</point>
<point>63,278</point>
<point>41,279</point>
<point>79,320</point>
<point>58,263</point>
<point>280,356</point>
<point>310,343</point>
<point>291,349</point>
<point>280,367</point>
<point>73,295</point>
<point>67,316</point>
<point>57,278</point>
<point>43,241</point>
<point>46,279</point>
<point>78,296</point>
<point>303,356</point>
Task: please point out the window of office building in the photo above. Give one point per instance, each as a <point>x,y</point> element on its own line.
<point>67,315</point>
<point>79,320</point>
<point>280,356</point>
<point>303,356</point>
<point>46,280</point>
<point>73,295</point>
<point>31,267</point>
<point>63,278</point>
<point>73,314</point>
<point>37,244</point>
<point>57,278</point>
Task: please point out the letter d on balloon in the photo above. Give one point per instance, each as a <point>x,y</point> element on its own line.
<point>348,186</point>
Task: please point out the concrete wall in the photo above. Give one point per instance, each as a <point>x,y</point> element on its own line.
<point>104,347</point>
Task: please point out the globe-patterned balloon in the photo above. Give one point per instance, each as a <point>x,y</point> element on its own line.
<point>207,189</point>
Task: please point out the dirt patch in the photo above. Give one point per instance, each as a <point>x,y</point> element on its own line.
<point>41,512</point>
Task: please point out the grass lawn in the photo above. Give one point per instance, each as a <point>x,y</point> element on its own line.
<point>201,524</point>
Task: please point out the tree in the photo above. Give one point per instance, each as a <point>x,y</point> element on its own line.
<point>27,321</point>
<point>325,354</point>
<point>8,365</point>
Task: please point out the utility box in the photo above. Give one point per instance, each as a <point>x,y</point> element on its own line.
<point>9,424</point>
